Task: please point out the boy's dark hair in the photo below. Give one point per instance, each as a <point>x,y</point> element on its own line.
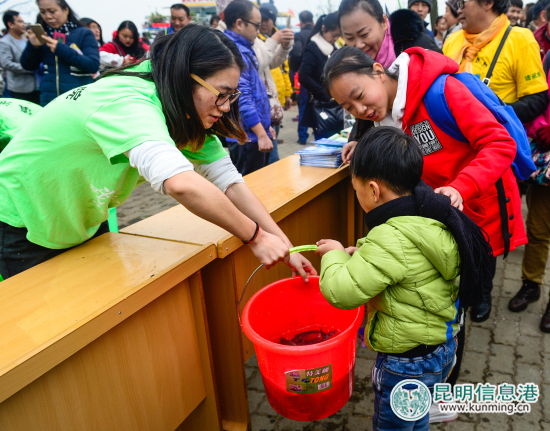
<point>181,7</point>
<point>388,155</point>
<point>516,3</point>
<point>238,9</point>
<point>9,16</point>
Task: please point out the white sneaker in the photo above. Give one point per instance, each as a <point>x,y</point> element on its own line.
<point>437,416</point>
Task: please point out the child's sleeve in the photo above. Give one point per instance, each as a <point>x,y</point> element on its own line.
<point>349,282</point>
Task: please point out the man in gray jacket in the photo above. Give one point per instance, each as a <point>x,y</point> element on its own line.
<point>21,83</point>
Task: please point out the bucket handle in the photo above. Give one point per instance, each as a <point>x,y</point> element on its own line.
<point>297,249</point>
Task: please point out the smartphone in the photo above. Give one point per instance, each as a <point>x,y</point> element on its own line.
<point>39,32</point>
<point>60,37</point>
<point>288,18</point>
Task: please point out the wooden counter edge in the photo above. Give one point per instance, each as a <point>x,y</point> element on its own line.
<point>47,356</point>
<point>230,243</point>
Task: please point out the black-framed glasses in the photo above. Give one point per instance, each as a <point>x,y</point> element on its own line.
<point>221,97</point>
<point>255,24</point>
<point>460,4</point>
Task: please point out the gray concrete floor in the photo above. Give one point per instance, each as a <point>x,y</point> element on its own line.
<point>509,347</point>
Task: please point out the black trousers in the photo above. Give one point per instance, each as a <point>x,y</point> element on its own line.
<point>18,254</point>
<point>33,96</point>
<point>247,158</point>
<point>461,337</point>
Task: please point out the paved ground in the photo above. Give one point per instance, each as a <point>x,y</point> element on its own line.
<point>509,347</point>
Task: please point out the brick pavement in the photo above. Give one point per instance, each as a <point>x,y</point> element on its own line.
<point>509,347</point>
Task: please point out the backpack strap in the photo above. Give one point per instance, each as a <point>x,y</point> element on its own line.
<point>503,216</point>
<point>439,110</point>
<point>487,79</point>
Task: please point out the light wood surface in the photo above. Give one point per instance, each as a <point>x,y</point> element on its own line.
<point>56,308</point>
<point>144,374</point>
<point>207,415</point>
<point>225,335</point>
<point>283,187</point>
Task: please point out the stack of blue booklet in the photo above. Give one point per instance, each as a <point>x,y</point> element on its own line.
<point>321,156</point>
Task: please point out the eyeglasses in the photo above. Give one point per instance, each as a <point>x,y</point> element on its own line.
<point>460,4</point>
<point>221,97</point>
<point>255,24</point>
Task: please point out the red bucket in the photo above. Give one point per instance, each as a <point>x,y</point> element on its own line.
<point>304,383</point>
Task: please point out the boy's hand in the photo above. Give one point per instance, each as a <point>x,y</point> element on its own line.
<point>351,250</point>
<point>326,245</point>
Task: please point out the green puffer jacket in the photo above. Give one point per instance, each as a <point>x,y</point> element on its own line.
<point>406,270</point>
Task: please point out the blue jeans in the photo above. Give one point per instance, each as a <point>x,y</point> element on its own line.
<point>302,101</point>
<point>389,370</point>
<point>274,154</point>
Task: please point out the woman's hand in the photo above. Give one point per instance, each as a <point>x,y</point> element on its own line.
<point>326,245</point>
<point>347,151</point>
<point>265,145</point>
<point>351,250</point>
<point>127,60</point>
<point>52,43</point>
<point>456,198</point>
<point>288,103</point>
<point>33,39</point>
<point>269,249</point>
<point>301,266</point>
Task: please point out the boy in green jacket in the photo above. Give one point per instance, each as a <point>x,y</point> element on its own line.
<point>407,272</point>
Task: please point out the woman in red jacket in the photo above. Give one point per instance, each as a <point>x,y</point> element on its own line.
<point>126,47</point>
<point>466,172</point>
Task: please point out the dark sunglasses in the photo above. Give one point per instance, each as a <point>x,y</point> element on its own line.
<point>255,24</point>
<point>221,97</point>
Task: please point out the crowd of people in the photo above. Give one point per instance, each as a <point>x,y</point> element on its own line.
<point>442,196</point>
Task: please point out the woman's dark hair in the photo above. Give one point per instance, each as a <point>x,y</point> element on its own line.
<point>349,59</point>
<point>73,17</point>
<point>87,22</point>
<point>330,22</point>
<point>388,155</point>
<point>372,7</point>
<point>215,18</point>
<point>237,9</point>
<point>136,49</point>
<point>196,49</point>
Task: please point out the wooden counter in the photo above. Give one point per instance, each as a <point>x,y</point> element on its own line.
<point>139,330</point>
<point>94,338</point>
<point>309,204</point>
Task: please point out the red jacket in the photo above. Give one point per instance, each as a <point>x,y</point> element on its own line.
<point>474,168</point>
<point>115,48</point>
<point>541,35</point>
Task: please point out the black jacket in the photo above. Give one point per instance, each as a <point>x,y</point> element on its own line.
<point>300,40</point>
<point>310,76</point>
<point>408,30</point>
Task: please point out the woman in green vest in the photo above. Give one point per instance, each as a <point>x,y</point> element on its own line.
<point>156,121</point>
